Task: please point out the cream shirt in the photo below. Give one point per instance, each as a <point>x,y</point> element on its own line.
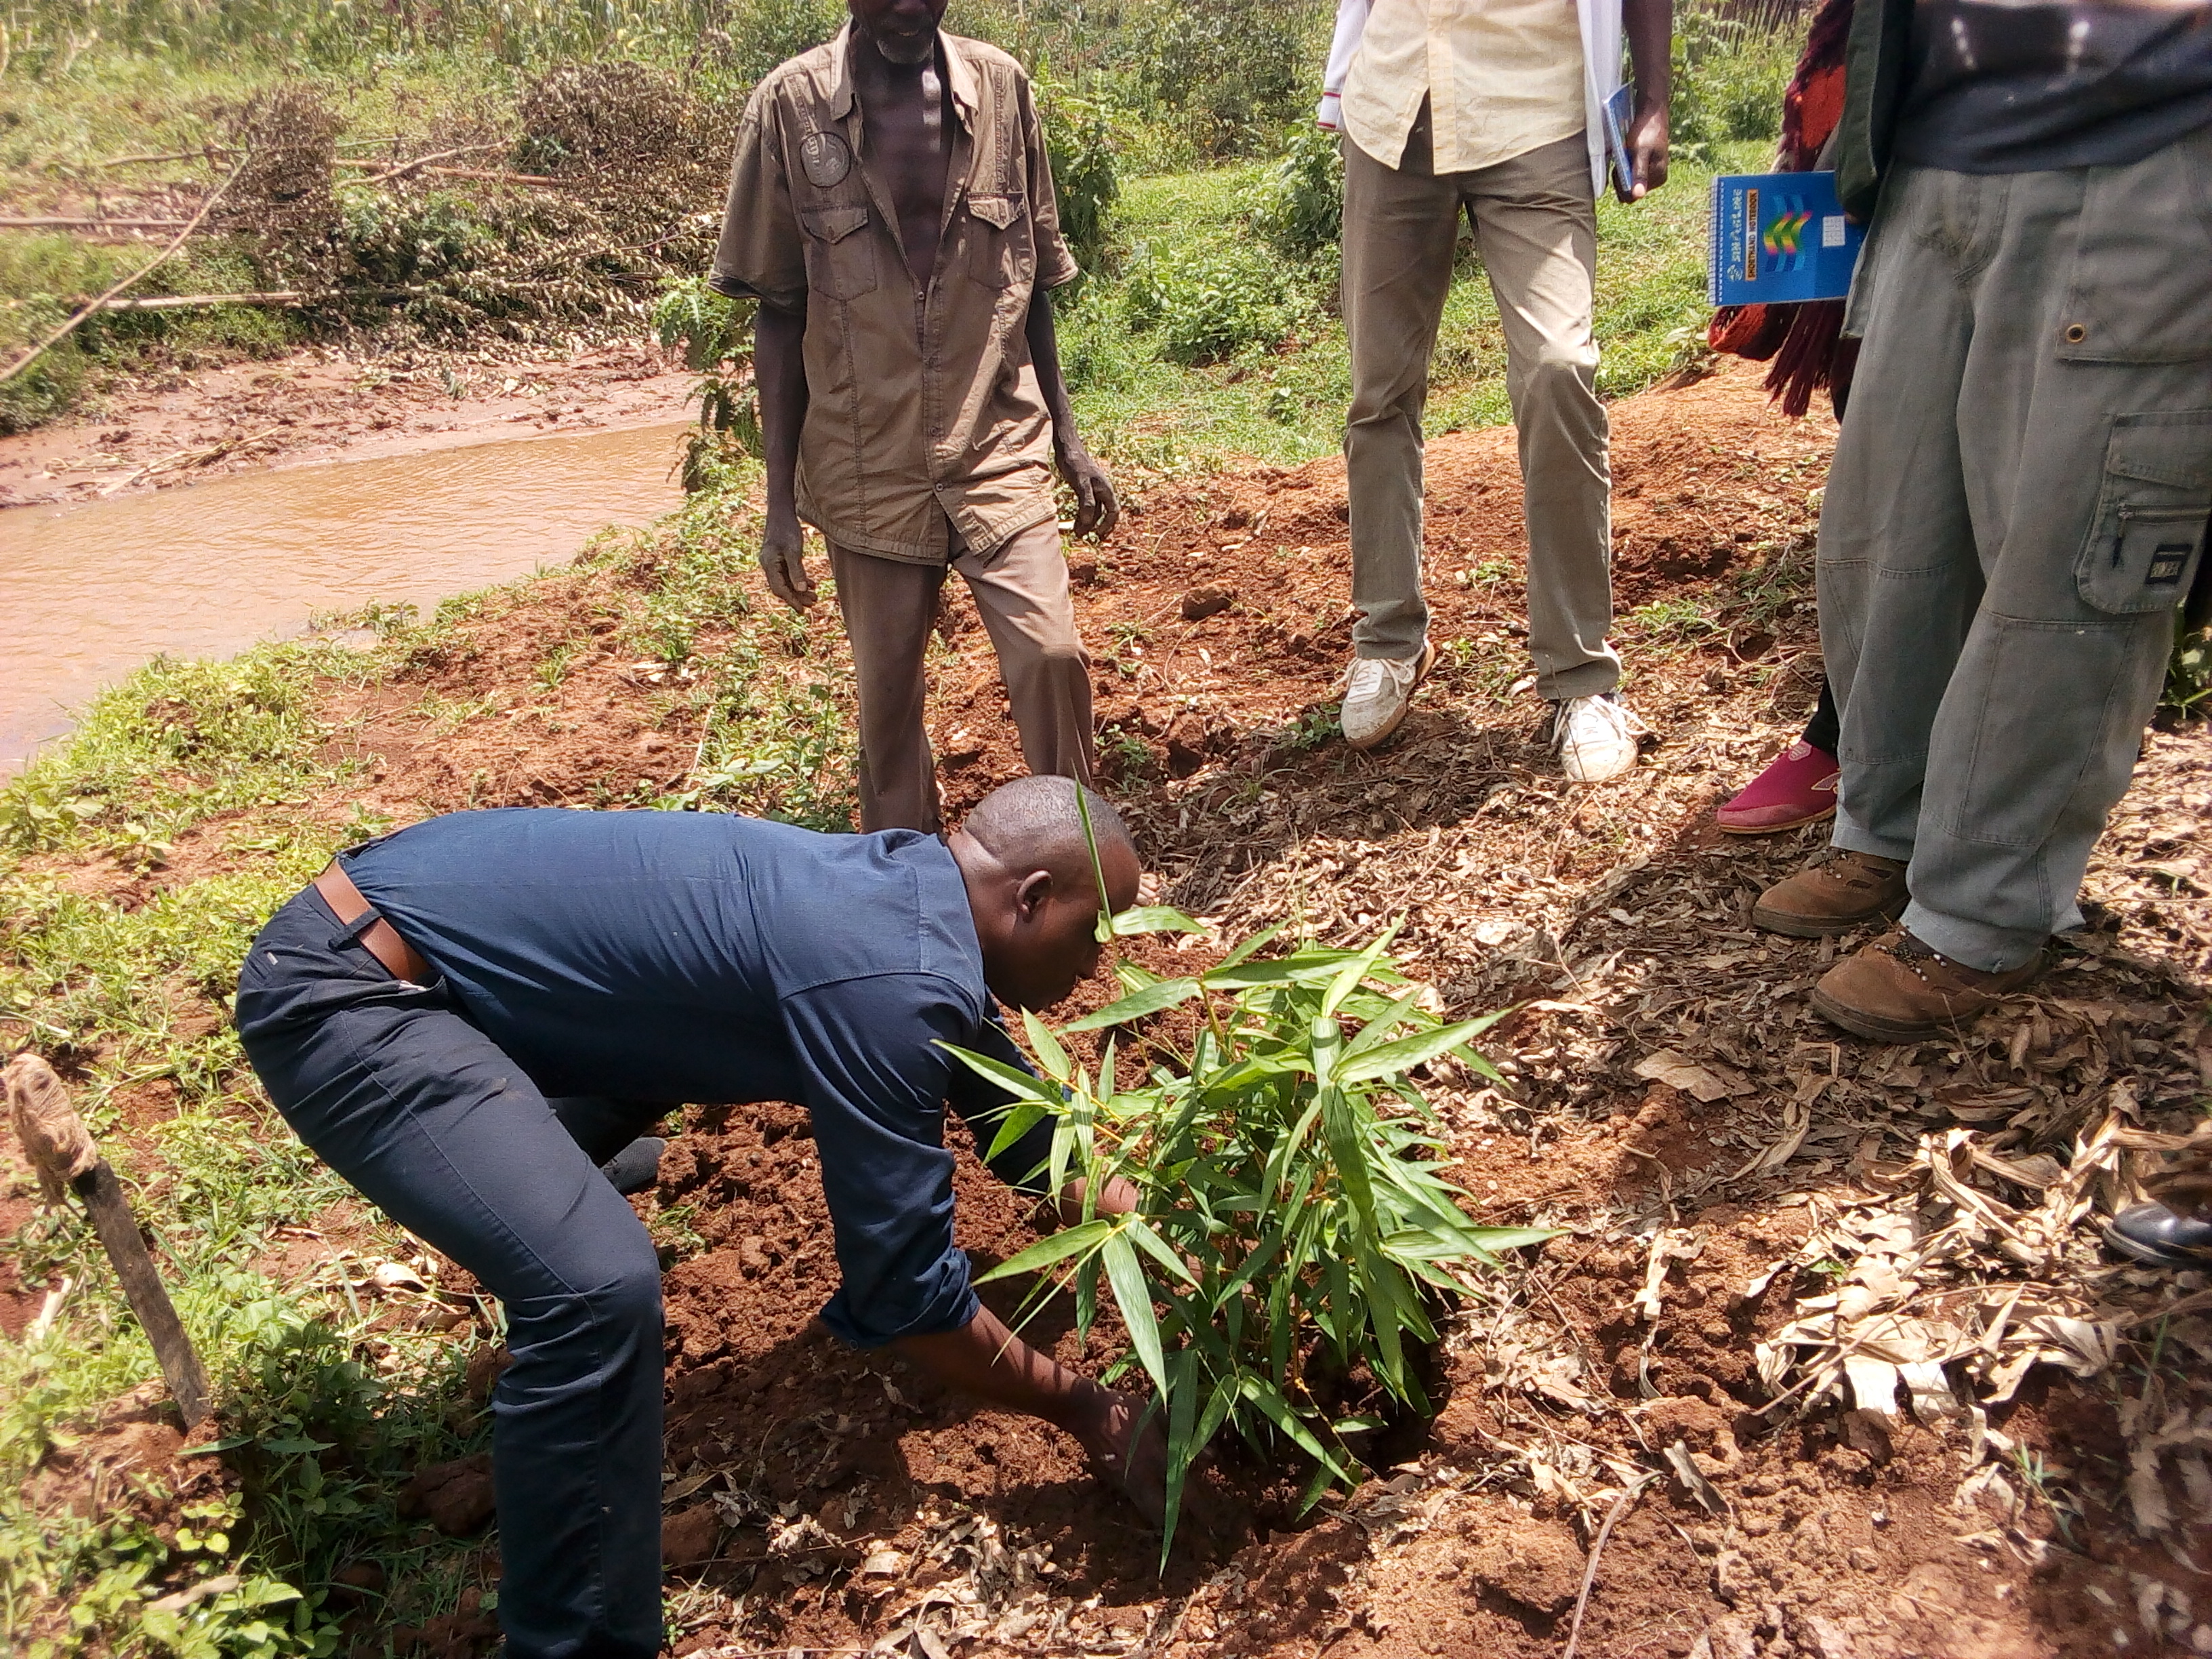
<point>1503,77</point>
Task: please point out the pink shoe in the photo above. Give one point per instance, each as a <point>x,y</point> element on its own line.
<point>1798,788</point>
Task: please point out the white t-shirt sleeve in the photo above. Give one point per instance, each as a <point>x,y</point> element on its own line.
<point>1343,47</point>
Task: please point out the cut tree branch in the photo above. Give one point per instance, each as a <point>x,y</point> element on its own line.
<point>70,327</point>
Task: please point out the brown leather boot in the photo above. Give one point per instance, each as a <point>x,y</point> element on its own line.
<point>1836,893</point>
<point>1898,990</point>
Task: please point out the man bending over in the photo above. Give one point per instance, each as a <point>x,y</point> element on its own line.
<point>464,1018</point>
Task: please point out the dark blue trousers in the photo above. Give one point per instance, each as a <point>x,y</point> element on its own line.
<point>401,1095</point>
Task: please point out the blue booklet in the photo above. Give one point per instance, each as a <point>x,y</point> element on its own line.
<point>1616,110</point>
<point>1780,238</point>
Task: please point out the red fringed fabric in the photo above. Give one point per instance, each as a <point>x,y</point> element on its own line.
<point>1804,341</point>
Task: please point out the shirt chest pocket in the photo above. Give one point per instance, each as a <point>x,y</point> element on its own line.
<point>2143,551</point>
<point>1001,241</point>
<point>841,257</point>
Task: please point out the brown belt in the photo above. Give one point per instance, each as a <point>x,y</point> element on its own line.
<point>378,938</point>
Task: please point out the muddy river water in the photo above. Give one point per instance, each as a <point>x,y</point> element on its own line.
<point>89,592</point>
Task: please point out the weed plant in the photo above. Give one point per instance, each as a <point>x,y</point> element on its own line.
<point>1294,1227</point>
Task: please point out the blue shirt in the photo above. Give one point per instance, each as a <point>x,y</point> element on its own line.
<point>697,956</point>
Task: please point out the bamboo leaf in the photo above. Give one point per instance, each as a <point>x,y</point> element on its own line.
<point>1380,1024</point>
<point>1183,1441</point>
<point>1055,1058</point>
<point>1386,1316</point>
<point>1166,993</point>
<point>1405,1053</point>
<point>1265,936</point>
<point>1016,1123</point>
<point>1046,1251</point>
<point>1023,1085</point>
<point>1103,930</point>
<point>1154,919</point>
<point>1351,1150</point>
<point>1134,1298</point>
<point>1348,977</point>
<point>1151,1244</point>
<point>1276,1410</point>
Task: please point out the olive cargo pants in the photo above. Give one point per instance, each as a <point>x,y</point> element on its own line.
<point>890,605</point>
<point>1535,228</point>
<point>2016,509</point>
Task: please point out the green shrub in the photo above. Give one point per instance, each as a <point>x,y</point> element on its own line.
<point>1214,305</point>
<point>1293,1224</point>
<point>1086,174</point>
<point>1234,70</point>
<point>1730,67</point>
<point>715,333</point>
<point>1301,207</point>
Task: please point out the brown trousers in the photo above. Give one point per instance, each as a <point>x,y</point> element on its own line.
<point>889,607</point>
<point>1536,229</point>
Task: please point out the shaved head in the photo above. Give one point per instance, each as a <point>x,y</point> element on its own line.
<point>1030,890</point>
<point>1032,823</point>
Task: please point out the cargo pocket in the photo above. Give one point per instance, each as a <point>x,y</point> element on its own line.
<point>2142,551</point>
<point>1001,249</point>
<point>840,262</point>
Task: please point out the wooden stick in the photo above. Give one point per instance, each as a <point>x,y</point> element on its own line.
<point>70,327</point>
<point>55,1140</point>
<point>1589,1568</point>
<point>420,162</point>
<point>201,301</point>
<point>117,1227</point>
<point>10,221</point>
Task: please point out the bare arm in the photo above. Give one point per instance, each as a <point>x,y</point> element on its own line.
<point>1096,509</point>
<point>986,1360</point>
<point>1650,27</point>
<point>780,374</point>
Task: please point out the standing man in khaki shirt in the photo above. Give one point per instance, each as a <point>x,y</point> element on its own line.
<point>1495,108</point>
<point>891,209</point>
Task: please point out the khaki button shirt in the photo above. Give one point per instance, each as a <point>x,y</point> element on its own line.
<point>920,407</point>
<point>1503,77</point>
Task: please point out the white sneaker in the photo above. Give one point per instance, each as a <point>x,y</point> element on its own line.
<point>1595,737</point>
<point>1376,694</point>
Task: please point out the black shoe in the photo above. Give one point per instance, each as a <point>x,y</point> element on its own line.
<point>637,1166</point>
<point>2162,1237</point>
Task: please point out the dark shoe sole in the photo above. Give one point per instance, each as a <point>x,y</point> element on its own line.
<point>1877,1029</point>
<point>2149,1255</point>
<point>1873,1027</point>
<point>1821,817</point>
<point>1797,926</point>
<point>1428,660</point>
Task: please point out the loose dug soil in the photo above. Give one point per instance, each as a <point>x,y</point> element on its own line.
<point>1829,1337</point>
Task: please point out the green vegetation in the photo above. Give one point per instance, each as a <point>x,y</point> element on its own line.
<point>1204,213</point>
<point>1205,323</point>
<point>1293,1222</point>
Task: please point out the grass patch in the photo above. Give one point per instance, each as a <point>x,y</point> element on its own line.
<point>1207,343</point>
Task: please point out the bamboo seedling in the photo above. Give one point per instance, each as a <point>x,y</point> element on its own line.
<point>1292,1205</point>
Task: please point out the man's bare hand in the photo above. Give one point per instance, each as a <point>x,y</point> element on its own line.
<point>1647,149</point>
<point>783,562</point>
<point>1128,1448</point>
<point>1120,1197</point>
<point>1096,512</point>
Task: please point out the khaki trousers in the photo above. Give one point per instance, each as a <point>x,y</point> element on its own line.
<point>889,607</point>
<point>2016,510</point>
<point>1536,230</point>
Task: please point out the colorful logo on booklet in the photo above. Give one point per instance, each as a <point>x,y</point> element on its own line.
<point>1784,232</point>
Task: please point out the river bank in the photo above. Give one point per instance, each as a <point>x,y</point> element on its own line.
<point>1745,1198</point>
<point>170,429</point>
